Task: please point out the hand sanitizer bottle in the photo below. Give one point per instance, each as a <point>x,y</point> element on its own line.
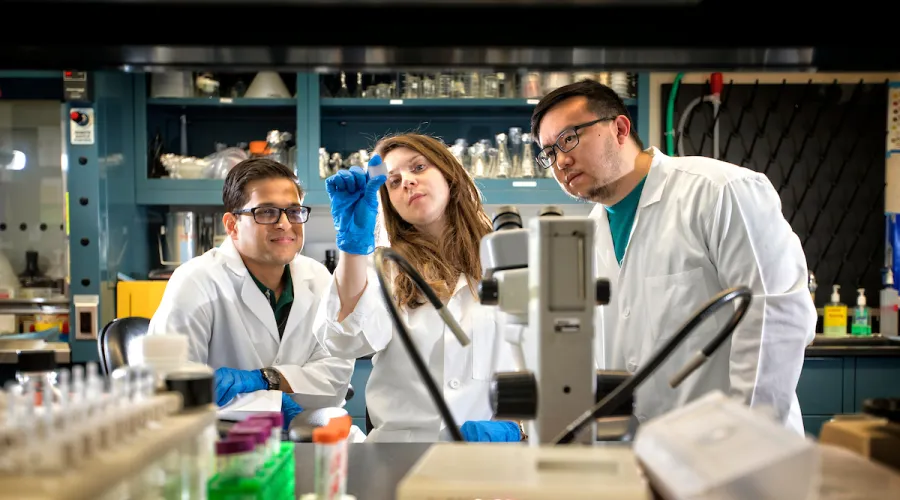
<point>835,320</point>
<point>862,320</point>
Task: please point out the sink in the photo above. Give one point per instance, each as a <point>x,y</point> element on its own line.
<point>848,341</point>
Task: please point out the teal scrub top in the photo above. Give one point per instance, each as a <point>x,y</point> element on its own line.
<point>621,219</point>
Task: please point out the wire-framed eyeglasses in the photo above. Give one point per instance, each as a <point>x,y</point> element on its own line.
<point>271,215</point>
<point>565,142</point>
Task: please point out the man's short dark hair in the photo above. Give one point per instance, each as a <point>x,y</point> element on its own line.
<point>601,100</point>
<point>234,194</point>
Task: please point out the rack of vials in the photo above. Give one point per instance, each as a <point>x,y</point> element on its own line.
<point>76,435</point>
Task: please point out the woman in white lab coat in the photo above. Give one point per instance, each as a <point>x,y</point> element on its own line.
<point>434,218</point>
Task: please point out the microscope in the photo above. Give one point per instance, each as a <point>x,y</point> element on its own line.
<point>541,279</point>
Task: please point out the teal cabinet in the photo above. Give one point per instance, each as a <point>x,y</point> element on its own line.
<point>356,407</point>
<point>837,385</point>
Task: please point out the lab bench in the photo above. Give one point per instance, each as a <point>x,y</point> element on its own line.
<point>837,376</point>
<point>374,470</point>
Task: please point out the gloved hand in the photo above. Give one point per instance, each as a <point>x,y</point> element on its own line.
<point>231,382</point>
<point>493,431</point>
<point>354,207</point>
<point>289,408</point>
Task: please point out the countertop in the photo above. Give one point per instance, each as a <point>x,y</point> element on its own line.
<point>375,469</point>
<point>875,346</point>
<point>9,350</point>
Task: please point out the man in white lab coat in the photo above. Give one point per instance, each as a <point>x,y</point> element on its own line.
<point>671,233</point>
<point>248,306</point>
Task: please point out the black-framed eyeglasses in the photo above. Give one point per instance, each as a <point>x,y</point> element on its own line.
<point>565,142</point>
<point>271,215</point>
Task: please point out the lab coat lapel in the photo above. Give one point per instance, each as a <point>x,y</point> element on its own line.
<point>655,183</point>
<point>303,298</point>
<point>252,298</point>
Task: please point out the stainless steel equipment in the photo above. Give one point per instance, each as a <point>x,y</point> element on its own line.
<point>178,238</point>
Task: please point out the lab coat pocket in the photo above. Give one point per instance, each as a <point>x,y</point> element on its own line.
<point>669,301</point>
<point>484,333</point>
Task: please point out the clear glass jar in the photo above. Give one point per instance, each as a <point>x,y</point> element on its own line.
<point>38,368</point>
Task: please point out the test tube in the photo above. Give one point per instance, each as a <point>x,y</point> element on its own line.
<point>276,419</point>
<point>259,436</point>
<point>236,457</point>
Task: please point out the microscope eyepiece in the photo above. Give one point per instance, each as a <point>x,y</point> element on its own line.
<point>507,218</point>
<point>550,210</point>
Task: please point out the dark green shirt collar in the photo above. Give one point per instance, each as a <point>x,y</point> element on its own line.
<point>287,292</point>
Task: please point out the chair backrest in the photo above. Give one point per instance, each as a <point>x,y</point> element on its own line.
<point>115,338</point>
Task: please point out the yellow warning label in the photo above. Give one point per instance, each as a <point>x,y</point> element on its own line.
<point>66,209</point>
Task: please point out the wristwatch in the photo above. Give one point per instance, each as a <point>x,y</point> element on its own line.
<point>272,377</point>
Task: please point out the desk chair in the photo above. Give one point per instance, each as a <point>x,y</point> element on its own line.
<point>115,338</point>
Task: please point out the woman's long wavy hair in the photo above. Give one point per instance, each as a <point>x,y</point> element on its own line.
<point>457,251</point>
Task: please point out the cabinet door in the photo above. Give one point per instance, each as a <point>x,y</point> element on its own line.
<point>876,378</point>
<point>356,407</point>
<point>820,389</point>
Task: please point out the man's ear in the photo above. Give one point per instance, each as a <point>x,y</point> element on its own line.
<point>229,220</point>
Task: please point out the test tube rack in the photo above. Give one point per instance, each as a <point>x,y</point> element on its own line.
<point>100,454</point>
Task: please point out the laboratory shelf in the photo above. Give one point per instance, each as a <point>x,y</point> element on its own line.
<point>31,74</point>
<point>221,102</point>
<point>200,192</point>
<point>338,102</point>
<point>196,192</point>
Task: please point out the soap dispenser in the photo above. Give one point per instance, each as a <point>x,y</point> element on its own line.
<point>862,320</point>
<point>835,320</point>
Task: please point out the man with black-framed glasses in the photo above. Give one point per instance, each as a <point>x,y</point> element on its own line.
<point>671,234</point>
<point>247,306</point>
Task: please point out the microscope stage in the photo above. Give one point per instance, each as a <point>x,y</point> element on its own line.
<point>490,471</point>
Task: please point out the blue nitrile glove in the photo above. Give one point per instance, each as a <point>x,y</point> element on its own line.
<point>354,207</point>
<point>289,408</point>
<point>483,431</point>
<point>231,382</point>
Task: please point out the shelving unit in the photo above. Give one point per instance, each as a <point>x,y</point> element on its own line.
<point>208,120</point>
<point>338,124</point>
<point>221,102</point>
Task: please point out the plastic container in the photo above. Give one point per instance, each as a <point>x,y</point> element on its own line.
<point>274,482</point>
<point>835,318</point>
<point>236,457</point>
<point>862,319</point>
<point>717,447</point>
<point>331,458</point>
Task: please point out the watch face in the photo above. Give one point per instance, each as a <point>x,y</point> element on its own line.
<point>273,378</point>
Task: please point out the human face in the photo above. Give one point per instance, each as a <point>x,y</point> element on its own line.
<point>592,169</point>
<point>417,189</point>
<point>267,244</point>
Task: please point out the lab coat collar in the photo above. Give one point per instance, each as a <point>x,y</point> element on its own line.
<point>656,179</point>
<point>301,276</point>
<point>460,283</point>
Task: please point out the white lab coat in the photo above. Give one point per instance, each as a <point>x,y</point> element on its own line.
<point>703,226</point>
<point>398,402</point>
<point>215,302</point>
